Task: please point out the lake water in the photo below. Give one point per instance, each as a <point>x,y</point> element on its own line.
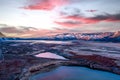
<point>42,41</point>
<point>75,73</point>
<point>50,55</point>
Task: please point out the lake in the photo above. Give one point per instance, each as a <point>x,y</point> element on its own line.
<point>50,55</point>
<point>75,73</point>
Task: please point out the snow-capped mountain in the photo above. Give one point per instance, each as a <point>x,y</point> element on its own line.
<point>79,36</point>
<point>102,36</point>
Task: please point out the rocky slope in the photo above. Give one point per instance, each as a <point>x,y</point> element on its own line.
<point>116,34</point>
<point>2,35</point>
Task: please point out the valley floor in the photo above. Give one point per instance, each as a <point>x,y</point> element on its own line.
<point>19,60</point>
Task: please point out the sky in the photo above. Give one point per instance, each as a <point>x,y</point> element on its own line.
<point>36,18</point>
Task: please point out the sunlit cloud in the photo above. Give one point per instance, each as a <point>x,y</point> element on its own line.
<point>45,4</point>
<point>90,20</point>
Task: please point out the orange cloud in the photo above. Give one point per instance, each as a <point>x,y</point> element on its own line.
<point>46,4</point>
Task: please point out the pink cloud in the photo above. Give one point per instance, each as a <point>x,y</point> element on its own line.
<point>46,4</point>
<point>88,20</point>
<point>83,20</point>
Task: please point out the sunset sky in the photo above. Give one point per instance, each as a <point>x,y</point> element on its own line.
<point>35,18</point>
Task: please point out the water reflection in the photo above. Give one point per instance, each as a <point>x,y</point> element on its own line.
<point>50,55</point>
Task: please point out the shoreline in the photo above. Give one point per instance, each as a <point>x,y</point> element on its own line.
<point>52,65</point>
<point>25,66</point>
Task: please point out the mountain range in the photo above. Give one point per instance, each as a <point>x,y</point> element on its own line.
<point>101,36</point>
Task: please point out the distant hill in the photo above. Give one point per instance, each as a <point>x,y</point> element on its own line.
<point>2,35</point>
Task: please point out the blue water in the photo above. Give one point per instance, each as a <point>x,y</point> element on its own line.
<point>75,73</point>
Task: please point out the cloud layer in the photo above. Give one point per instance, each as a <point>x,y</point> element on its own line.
<point>78,19</point>
<point>23,31</point>
<point>15,29</point>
